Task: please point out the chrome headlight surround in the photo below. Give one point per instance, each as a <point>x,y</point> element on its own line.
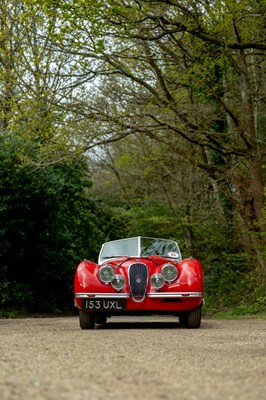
<point>157,281</point>
<point>105,273</point>
<point>169,272</point>
<point>118,281</point>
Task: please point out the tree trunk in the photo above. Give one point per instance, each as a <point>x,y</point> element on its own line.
<point>248,200</point>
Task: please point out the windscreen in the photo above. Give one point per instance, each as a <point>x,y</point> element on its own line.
<point>123,247</point>
<point>140,246</point>
<point>159,247</point>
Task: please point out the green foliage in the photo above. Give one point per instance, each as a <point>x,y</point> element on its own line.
<point>153,219</point>
<point>48,224</point>
<point>230,285</point>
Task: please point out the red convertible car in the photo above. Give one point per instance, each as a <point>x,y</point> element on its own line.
<point>139,276</point>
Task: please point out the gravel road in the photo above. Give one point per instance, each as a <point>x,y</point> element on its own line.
<point>132,359</point>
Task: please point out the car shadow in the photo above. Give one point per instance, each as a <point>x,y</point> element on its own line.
<point>138,323</point>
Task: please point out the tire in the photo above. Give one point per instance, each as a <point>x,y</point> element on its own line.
<point>100,318</point>
<point>86,320</point>
<point>191,319</point>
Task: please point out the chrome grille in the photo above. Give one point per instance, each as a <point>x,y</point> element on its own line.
<point>138,279</point>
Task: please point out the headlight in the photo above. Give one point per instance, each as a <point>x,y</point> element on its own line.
<point>118,281</point>
<point>169,272</point>
<point>157,281</point>
<point>106,273</point>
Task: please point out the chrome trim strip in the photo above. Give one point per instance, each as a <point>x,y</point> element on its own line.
<point>174,294</point>
<point>101,295</point>
<point>81,295</point>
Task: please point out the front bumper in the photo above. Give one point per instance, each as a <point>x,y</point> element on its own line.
<point>153,301</point>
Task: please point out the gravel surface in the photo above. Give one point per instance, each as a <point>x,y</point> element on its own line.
<point>132,358</point>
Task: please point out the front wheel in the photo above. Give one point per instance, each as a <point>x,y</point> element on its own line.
<point>86,319</point>
<point>191,319</point>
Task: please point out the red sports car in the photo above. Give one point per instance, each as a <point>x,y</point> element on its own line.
<point>138,276</point>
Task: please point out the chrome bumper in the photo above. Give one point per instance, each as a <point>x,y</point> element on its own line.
<point>155,295</point>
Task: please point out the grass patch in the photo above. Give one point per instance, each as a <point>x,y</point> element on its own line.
<point>236,313</point>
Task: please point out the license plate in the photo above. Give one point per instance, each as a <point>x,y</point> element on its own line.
<point>104,304</point>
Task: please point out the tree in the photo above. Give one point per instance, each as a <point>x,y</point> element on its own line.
<point>33,79</point>
<point>190,72</point>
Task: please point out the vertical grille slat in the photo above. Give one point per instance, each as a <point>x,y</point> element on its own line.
<point>138,279</point>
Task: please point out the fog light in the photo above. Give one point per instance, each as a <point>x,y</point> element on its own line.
<point>157,281</point>
<point>118,281</point>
